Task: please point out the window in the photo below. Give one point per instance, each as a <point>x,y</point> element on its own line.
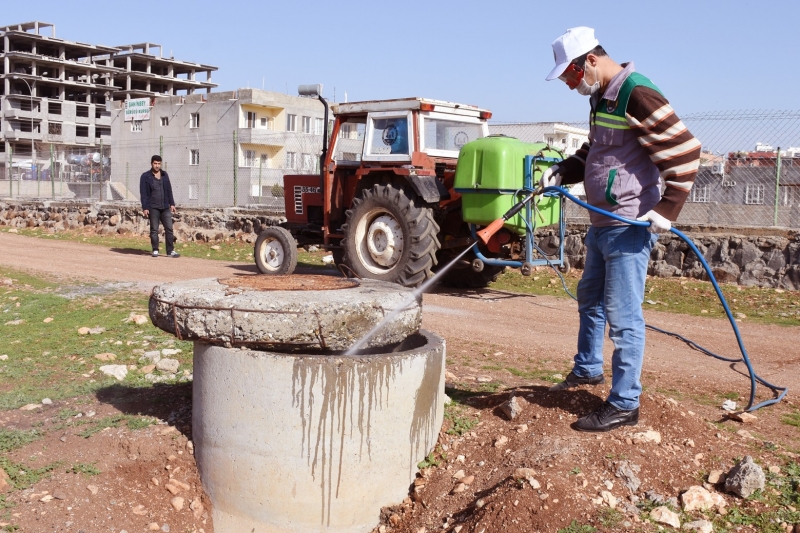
<point>99,132</point>
<point>789,195</point>
<point>164,121</point>
<point>194,190</point>
<point>550,141</point>
<point>54,128</point>
<point>136,126</point>
<point>54,108</point>
<point>249,159</point>
<point>264,161</point>
<point>265,123</point>
<point>194,157</point>
<point>318,126</point>
<point>350,156</point>
<point>82,111</point>
<point>291,122</point>
<point>250,121</point>
<point>754,195</point>
<point>307,161</point>
<point>575,143</point>
<point>306,124</point>
<point>194,120</point>
<point>81,131</point>
<point>700,194</point>
<point>291,159</point>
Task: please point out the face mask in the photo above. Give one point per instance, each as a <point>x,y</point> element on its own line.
<point>584,88</point>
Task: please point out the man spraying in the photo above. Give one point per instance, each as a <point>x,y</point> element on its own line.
<point>636,144</point>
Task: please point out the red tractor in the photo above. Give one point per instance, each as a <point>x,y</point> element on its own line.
<point>384,202</point>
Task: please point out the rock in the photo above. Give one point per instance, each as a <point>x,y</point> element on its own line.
<point>663,515</point>
<point>83,331</point>
<point>92,488</point>
<point>30,407</point>
<point>744,433</point>
<point>646,436</point>
<point>117,371</point>
<point>173,489</point>
<point>716,476</point>
<point>177,503</point>
<point>447,400</point>
<point>696,498</point>
<point>96,331</point>
<point>46,498</point>
<point>168,365</point>
<point>609,499</point>
<point>152,526</point>
<point>461,459</point>
<point>627,471</point>
<point>197,508</point>
<point>7,281</point>
<point>521,428</point>
<point>48,320</point>
<point>5,482</point>
<point>395,519</point>
<point>105,356</point>
<point>181,484</point>
<point>459,488</point>
<point>137,319</point>
<point>153,356</point>
<point>4,357</point>
<point>166,352</point>
<point>745,478</point>
<point>47,401</point>
<point>511,408</point>
<point>139,510</point>
<point>728,405</point>
<point>17,322</point>
<point>743,417</point>
<point>327,260</point>
<point>450,377</point>
<point>702,526</point>
<point>59,494</point>
<point>458,475</point>
<point>147,369</point>
<point>190,447</point>
<point>774,469</point>
<point>500,441</point>
<point>468,480</point>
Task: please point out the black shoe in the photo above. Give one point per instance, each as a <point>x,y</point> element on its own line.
<point>173,253</point>
<point>607,418</point>
<point>573,381</point>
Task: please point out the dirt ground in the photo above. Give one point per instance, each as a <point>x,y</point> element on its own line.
<point>498,346</point>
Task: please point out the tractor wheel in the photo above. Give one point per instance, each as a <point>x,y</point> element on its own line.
<point>275,251</point>
<point>389,238</point>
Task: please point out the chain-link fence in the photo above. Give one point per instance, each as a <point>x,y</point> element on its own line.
<point>749,173</point>
<point>749,170</point>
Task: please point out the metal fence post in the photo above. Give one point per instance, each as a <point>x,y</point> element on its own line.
<point>259,179</point>
<point>10,172</point>
<point>38,176</point>
<point>777,188</point>
<point>235,167</point>
<point>208,184</point>
<point>52,168</point>
<point>161,145</point>
<point>126,179</point>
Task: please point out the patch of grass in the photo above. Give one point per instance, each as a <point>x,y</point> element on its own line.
<point>87,469</point>
<point>576,527</point>
<point>66,414</point>
<point>11,439</point>
<point>459,424</point>
<point>51,359</point>
<point>676,295</point>
<point>23,477</point>
<point>428,462</point>
<point>140,422</point>
<point>493,386</point>
<point>791,419</point>
<point>225,250</point>
<point>610,518</point>
<point>729,395</point>
<point>575,471</point>
<point>113,421</point>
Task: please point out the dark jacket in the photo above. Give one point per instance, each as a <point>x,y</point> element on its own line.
<point>146,185</point>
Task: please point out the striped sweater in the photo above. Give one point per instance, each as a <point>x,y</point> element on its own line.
<point>666,141</point>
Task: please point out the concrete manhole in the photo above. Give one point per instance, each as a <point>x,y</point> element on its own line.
<point>328,314</point>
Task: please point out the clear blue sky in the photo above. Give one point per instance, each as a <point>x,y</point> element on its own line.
<point>704,55</point>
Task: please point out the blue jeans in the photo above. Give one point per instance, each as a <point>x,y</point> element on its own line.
<point>612,290</point>
<point>164,216</point>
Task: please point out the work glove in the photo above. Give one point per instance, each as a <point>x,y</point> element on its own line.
<point>658,224</point>
<point>552,176</point>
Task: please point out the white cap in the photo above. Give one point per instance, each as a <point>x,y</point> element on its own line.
<point>573,44</point>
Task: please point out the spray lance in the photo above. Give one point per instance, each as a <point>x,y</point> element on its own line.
<point>486,233</point>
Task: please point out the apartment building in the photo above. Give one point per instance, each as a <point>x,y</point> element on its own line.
<point>558,135</point>
<point>224,148</point>
<point>55,98</point>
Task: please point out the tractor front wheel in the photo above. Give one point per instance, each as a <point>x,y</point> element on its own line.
<point>388,237</point>
<point>275,251</point>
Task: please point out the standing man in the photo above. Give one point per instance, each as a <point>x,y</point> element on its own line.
<point>636,143</point>
<point>158,204</point>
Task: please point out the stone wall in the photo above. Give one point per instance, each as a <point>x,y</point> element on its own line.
<point>205,225</point>
<point>764,257</point>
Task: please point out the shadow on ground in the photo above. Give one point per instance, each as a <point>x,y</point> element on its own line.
<point>169,402</point>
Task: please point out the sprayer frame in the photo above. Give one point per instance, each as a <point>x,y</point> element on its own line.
<point>530,245</point>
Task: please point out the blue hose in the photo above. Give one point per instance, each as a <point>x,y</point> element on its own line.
<point>754,378</point>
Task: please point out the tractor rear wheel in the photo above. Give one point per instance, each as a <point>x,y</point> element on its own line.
<point>388,237</point>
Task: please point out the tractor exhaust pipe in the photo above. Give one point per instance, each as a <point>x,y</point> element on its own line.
<point>316,90</point>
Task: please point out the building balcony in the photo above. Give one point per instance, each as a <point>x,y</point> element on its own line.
<point>20,114</point>
<point>83,120</point>
<point>103,120</point>
<point>267,137</point>
<point>53,138</point>
<point>16,135</point>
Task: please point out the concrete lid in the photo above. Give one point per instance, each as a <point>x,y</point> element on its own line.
<point>237,314</point>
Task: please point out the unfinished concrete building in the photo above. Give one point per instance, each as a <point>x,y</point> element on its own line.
<point>55,111</point>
